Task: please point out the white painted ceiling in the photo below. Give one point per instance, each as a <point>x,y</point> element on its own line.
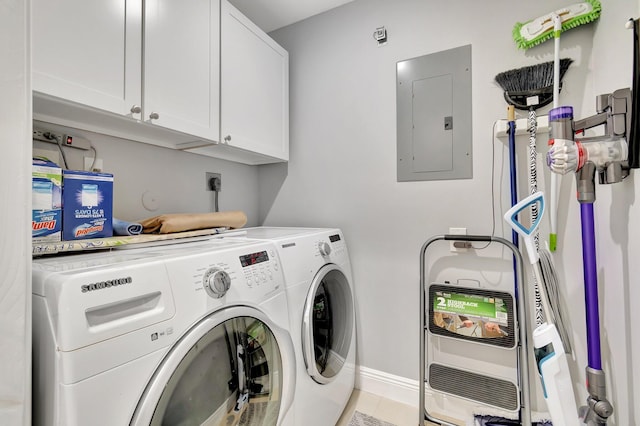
<point>273,14</point>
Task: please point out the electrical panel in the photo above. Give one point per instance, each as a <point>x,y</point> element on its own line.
<point>434,116</point>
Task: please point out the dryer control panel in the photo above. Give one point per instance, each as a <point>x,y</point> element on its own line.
<point>331,246</point>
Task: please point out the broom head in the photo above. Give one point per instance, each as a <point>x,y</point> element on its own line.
<point>532,86</point>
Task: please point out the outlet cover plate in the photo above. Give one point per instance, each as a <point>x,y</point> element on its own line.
<point>210,176</point>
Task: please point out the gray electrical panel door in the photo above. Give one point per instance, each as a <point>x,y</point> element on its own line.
<point>434,116</point>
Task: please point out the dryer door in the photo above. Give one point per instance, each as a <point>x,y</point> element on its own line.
<point>327,324</point>
<point>233,367</point>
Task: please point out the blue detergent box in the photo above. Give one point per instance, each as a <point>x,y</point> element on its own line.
<point>46,195</point>
<point>87,205</point>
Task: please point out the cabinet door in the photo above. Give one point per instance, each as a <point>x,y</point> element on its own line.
<point>254,87</point>
<point>182,65</point>
<point>88,52</point>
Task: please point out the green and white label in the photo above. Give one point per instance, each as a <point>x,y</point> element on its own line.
<point>470,305</point>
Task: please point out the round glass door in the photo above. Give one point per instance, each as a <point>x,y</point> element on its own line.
<point>327,324</point>
<point>222,372</point>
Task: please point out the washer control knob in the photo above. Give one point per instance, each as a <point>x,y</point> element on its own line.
<point>216,282</point>
<point>325,248</point>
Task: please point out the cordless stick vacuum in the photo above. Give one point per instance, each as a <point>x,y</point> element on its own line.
<point>612,156</point>
<point>584,157</point>
<point>550,355</point>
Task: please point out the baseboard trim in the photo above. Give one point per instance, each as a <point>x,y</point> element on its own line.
<point>387,385</point>
<point>406,391</point>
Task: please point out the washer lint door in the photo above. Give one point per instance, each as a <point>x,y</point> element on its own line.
<point>233,367</point>
<point>327,324</point>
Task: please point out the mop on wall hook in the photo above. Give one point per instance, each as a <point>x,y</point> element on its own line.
<point>539,30</point>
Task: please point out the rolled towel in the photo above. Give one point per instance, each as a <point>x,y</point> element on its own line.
<point>180,222</point>
<point>121,227</point>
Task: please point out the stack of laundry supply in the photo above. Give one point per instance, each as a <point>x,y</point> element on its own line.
<point>180,222</point>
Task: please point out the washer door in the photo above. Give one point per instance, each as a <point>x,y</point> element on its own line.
<point>233,367</point>
<point>327,324</point>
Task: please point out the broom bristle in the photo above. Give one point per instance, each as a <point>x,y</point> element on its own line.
<point>531,78</point>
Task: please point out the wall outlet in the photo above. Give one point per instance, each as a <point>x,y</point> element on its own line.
<point>209,176</point>
<point>457,246</point>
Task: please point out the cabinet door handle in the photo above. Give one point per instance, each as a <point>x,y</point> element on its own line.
<point>136,109</point>
<point>154,116</point>
<point>227,138</point>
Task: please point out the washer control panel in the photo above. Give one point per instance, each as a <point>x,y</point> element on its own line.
<point>216,282</point>
<point>259,267</point>
<point>235,271</point>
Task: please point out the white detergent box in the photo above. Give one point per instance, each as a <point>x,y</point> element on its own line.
<point>46,194</point>
<point>87,205</point>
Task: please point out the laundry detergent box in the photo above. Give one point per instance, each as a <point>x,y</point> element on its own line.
<point>46,194</point>
<point>87,205</point>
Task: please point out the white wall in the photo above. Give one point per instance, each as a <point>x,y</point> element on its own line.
<point>15,191</point>
<point>342,169</point>
<point>176,179</point>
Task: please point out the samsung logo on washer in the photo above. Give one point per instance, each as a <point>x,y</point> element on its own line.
<point>106,284</point>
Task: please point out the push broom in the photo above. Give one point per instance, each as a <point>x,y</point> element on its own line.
<point>530,88</point>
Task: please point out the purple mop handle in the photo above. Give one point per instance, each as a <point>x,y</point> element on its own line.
<point>590,285</point>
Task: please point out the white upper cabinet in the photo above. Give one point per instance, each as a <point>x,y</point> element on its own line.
<point>194,75</point>
<point>160,65</point>
<point>89,52</point>
<point>181,76</point>
<point>254,89</point>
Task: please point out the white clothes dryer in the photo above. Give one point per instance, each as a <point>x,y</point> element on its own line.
<point>192,333</point>
<point>320,294</point>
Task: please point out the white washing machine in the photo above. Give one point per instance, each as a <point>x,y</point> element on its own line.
<point>320,294</point>
<point>184,334</point>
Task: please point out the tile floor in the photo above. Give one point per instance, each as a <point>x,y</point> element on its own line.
<point>379,407</point>
<point>383,409</point>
